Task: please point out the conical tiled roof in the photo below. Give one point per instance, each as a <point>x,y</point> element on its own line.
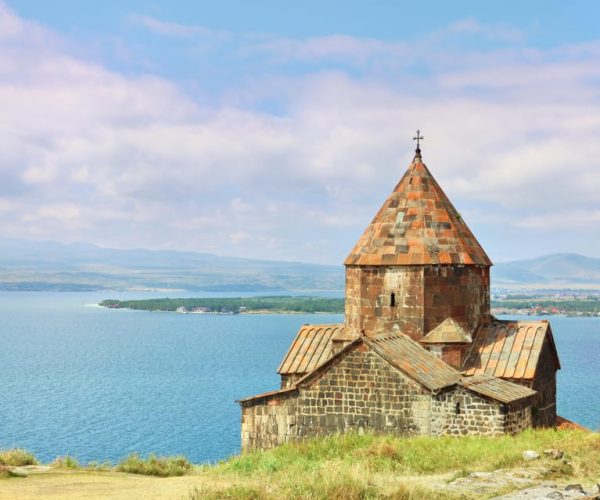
<point>417,224</point>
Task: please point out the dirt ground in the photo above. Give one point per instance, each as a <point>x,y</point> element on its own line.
<point>66,485</point>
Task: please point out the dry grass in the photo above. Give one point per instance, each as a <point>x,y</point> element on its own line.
<point>155,466</point>
<point>341,467</point>
<point>17,457</point>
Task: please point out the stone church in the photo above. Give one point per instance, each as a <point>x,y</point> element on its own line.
<point>419,352</point>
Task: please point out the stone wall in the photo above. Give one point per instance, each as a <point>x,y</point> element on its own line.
<point>453,354</point>
<point>362,392</point>
<point>369,299</point>
<point>544,406</point>
<point>423,297</point>
<point>269,421</point>
<point>288,380</point>
<point>458,412</point>
<point>519,416</point>
<point>458,292</point>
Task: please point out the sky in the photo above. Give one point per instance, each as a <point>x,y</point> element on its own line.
<point>276,130</point>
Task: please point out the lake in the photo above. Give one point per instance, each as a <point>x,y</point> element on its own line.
<point>99,384</point>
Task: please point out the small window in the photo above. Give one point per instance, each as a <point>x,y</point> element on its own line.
<point>458,408</point>
<point>393,300</point>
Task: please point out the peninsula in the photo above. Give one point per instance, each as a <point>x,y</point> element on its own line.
<point>234,305</point>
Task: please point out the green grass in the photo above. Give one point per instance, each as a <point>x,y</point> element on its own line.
<point>155,466</point>
<point>421,455</point>
<point>17,457</point>
<point>66,462</point>
<point>375,466</point>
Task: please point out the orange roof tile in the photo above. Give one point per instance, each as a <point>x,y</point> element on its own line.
<point>509,349</point>
<point>417,224</point>
<point>565,424</point>
<point>310,348</point>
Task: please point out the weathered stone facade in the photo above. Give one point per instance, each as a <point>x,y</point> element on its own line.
<point>419,352</point>
<point>415,299</point>
<point>460,412</point>
<point>270,420</point>
<point>360,391</point>
<point>544,405</point>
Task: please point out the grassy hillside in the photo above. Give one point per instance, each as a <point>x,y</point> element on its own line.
<point>29,265</point>
<point>550,270</point>
<point>343,467</point>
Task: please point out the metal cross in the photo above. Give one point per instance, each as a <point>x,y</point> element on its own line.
<point>418,138</point>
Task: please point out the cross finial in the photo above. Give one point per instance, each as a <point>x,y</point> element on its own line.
<point>418,138</point>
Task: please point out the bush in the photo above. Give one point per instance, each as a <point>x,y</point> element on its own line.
<point>66,462</point>
<point>17,457</point>
<point>155,466</point>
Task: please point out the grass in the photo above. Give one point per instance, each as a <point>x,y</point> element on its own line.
<point>372,466</point>
<point>155,466</point>
<point>71,463</point>
<point>351,466</point>
<point>17,457</point>
<point>419,455</point>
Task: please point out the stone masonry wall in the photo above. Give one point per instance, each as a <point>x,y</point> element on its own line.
<point>368,299</point>
<point>288,380</point>
<point>460,412</point>
<point>362,392</point>
<point>423,297</point>
<point>270,421</point>
<point>519,416</point>
<point>459,292</point>
<point>544,412</point>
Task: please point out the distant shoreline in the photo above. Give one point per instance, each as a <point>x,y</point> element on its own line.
<point>284,304</point>
<point>233,305</point>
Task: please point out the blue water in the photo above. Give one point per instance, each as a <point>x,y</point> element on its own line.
<point>98,384</point>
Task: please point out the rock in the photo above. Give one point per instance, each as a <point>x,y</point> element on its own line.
<point>575,487</point>
<point>530,455</point>
<point>554,453</point>
<point>555,494</point>
<point>17,472</point>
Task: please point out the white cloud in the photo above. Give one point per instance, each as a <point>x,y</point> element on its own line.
<point>89,153</point>
<point>170,28</point>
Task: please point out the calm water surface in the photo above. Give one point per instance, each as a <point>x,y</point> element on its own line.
<point>99,384</point>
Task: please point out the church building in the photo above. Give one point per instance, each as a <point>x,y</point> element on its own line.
<point>419,352</point>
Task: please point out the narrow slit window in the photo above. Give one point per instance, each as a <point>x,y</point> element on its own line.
<point>458,408</point>
<point>393,300</point>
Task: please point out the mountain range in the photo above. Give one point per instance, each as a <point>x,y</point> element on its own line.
<point>31,265</point>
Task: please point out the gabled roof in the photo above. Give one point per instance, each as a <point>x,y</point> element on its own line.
<point>447,332</point>
<point>509,349</point>
<point>496,388</point>
<point>310,348</point>
<point>402,353</point>
<point>413,360</point>
<point>417,224</point>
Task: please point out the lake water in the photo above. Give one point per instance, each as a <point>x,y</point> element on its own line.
<point>98,384</point>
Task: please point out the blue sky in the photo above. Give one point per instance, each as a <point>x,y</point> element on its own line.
<point>276,129</point>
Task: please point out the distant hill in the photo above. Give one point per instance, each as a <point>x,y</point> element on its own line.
<point>29,265</point>
<point>560,269</point>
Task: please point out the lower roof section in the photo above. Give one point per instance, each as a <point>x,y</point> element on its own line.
<point>496,388</point>
<point>509,349</point>
<point>310,348</point>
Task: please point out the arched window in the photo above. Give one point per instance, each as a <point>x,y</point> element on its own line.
<point>393,300</point>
